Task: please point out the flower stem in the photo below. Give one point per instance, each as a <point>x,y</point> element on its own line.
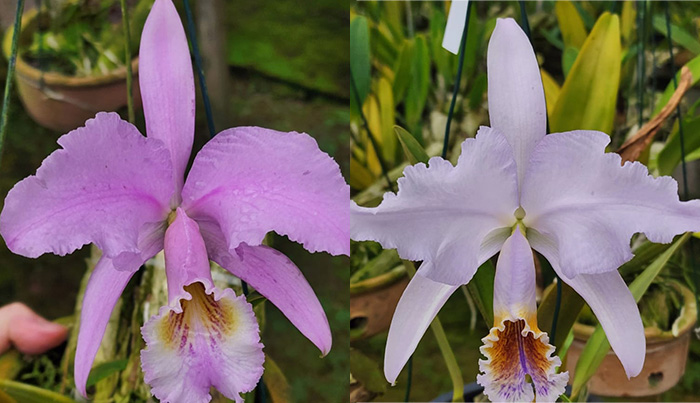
<point>10,74</point>
<point>127,62</point>
<point>455,91</point>
<point>524,23</point>
<point>445,349</point>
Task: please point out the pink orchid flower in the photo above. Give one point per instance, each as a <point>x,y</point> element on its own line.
<point>126,193</point>
<point>515,188</point>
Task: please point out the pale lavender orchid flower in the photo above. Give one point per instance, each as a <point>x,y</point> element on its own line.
<point>515,188</point>
<point>126,193</point>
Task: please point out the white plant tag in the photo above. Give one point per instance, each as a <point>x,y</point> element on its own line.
<point>455,25</point>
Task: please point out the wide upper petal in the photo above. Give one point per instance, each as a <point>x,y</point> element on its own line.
<point>590,205</point>
<point>443,213</point>
<point>612,303</point>
<point>167,86</point>
<point>108,185</point>
<point>276,277</point>
<point>103,290</point>
<point>420,303</point>
<point>252,180</point>
<point>515,93</point>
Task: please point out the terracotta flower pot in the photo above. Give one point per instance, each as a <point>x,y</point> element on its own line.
<point>373,302</point>
<point>664,364</point>
<point>60,102</point>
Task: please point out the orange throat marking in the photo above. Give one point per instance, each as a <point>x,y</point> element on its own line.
<point>200,316</point>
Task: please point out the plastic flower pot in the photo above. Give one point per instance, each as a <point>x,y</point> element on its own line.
<point>373,301</point>
<point>61,102</point>
<point>664,365</point>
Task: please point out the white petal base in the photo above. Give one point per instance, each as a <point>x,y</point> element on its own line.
<point>212,340</point>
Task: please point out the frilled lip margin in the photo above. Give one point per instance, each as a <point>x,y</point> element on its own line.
<point>518,358</point>
<point>208,338</point>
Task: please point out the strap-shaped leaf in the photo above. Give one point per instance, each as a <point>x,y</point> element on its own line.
<point>589,95</point>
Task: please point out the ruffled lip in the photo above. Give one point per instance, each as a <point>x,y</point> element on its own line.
<point>513,349</point>
<point>208,338</point>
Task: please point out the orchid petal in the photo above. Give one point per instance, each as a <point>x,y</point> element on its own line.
<point>210,338</point>
<point>514,284</point>
<point>515,93</point>
<point>515,347</point>
<point>103,290</point>
<point>186,259</point>
<point>611,302</point>
<point>167,86</point>
<point>443,214</point>
<point>277,278</point>
<point>252,180</point>
<point>420,303</point>
<point>205,337</point>
<point>592,218</point>
<point>108,185</point>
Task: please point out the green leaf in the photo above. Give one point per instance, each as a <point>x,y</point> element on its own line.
<point>104,370</point>
<point>411,147</point>
<point>568,58</point>
<point>383,48</point>
<point>679,35</point>
<point>392,15</point>
<point>670,156</point>
<point>598,345</point>
<point>5,398</point>
<point>402,71</point>
<point>275,381</point>
<point>437,32</point>
<point>643,255</point>
<point>476,95</point>
<point>11,364</point>
<point>360,66</point>
<point>628,22</point>
<point>571,25</point>
<point>25,393</point>
<point>385,96</point>
<point>551,91</point>
<point>589,94</point>
<point>694,66</point>
<point>418,88</point>
<point>571,304</point>
<point>481,290</point>
<point>366,371</point>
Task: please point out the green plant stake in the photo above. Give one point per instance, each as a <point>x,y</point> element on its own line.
<point>127,62</point>
<point>10,74</point>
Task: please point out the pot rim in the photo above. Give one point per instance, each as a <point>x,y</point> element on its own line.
<point>682,325</point>
<point>29,73</point>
